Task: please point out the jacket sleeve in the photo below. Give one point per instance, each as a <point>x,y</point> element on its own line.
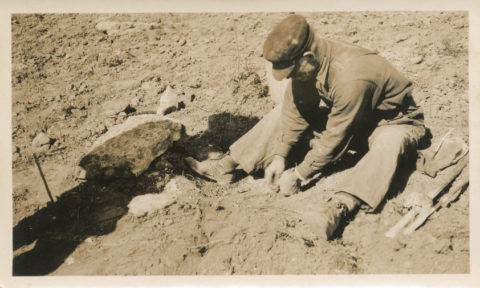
<point>292,122</point>
<point>350,101</point>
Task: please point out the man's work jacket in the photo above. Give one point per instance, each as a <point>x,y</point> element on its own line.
<point>360,88</point>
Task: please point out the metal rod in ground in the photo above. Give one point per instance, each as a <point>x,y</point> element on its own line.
<point>43,177</point>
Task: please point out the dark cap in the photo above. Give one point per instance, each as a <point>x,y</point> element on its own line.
<point>287,42</point>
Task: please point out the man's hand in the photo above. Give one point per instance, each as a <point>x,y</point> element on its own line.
<point>289,183</point>
<point>274,171</point>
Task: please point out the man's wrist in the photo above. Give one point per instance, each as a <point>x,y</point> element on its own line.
<point>299,176</point>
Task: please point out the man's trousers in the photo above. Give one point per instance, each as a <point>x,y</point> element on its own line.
<point>370,178</point>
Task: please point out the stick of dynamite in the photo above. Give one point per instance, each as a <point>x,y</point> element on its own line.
<point>392,232</point>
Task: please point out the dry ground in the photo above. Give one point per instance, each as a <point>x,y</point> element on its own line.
<point>70,80</point>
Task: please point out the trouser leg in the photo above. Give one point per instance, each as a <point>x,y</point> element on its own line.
<point>370,179</point>
<point>254,150</point>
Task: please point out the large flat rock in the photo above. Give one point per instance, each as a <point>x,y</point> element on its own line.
<point>129,148</point>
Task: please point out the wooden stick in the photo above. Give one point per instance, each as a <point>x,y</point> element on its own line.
<point>392,232</point>
<point>43,177</point>
<point>429,210</point>
<point>441,142</point>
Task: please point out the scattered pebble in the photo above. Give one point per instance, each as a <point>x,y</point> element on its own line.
<point>417,60</point>
<point>149,203</point>
<point>109,122</point>
<point>210,93</point>
<point>398,245</point>
<point>168,102</point>
<point>100,129</point>
<point>134,102</point>
<point>401,38</point>
<point>70,260</point>
<point>41,140</point>
<point>442,246</point>
<point>108,27</point>
<point>215,155</point>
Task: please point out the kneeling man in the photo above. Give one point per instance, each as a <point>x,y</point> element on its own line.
<point>368,101</point>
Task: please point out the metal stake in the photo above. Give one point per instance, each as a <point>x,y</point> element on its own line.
<point>43,177</point>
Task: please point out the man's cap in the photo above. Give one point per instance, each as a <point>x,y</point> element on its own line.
<point>286,43</point>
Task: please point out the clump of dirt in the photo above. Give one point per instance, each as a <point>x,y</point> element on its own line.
<point>75,76</point>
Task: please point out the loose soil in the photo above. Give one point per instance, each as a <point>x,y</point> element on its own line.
<point>73,78</point>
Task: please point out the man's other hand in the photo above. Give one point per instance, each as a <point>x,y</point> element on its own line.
<point>274,171</point>
<point>289,183</point>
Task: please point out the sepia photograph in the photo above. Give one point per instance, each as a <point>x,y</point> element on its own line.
<point>240,143</point>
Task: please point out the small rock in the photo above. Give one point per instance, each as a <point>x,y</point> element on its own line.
<point>149,203</point>
<point>79,173</point>
<point>109,27</point>
<point>416,198</point>
<point>146,85</point>
<point>70,260</point>
<point>398,245</point>
<point>210,93</point>
<point>122,115</point>
<point>401,38</point>
<point>417,60</point>
<point>196,84</point>
<point>109,122</point>
<point>163,164</point>
<point>215,155</point>
<point>168,102</point>
<point>40,140</point>
<point>100,129</point>
<point>120,118</point>
<point>134,102</point>
<point>442,246</point>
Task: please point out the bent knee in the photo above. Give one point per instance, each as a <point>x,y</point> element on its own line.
<point>397,139</point>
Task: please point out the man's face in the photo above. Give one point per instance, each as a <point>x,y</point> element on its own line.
<point>306,67</point>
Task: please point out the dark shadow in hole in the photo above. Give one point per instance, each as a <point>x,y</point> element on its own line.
<point>223,130</point>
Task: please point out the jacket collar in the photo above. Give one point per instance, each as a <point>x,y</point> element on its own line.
<point>323,51</point>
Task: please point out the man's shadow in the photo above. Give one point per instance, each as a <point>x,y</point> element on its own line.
<point>93,208</point>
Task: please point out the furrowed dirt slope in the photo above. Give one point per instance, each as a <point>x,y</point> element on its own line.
<point>74,76</point>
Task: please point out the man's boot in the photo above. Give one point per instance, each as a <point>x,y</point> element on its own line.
<point>220,171</point>
<point>334,214</point>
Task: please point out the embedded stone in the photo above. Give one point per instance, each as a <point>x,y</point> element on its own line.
<point>128,149</point>
<point>149,203</point>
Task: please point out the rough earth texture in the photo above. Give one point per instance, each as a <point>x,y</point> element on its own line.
<point>75,76</point>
